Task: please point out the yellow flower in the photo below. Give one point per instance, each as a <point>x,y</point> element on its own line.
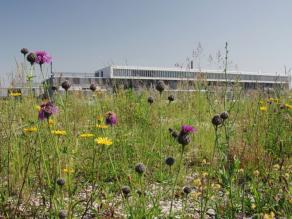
<point>288,106</point>
<point>15,94</point>
<point>216,186</point>
<point>103,141</point>
<point>205,174</point>
<point>86,135</point>
<point>263,108</point>
<point>197,182</point>
<point>195,195</point>
<point>29,130</point>
<point>262,102</point>
<point>68,170</point>
<point>58,132</point>
<point>275,100</point>
<point>204,161</point>
<point>51,122</point>
<point>253,206</point>
<point>269,216</point>
<point>256,173</point>
<point>37,107</point>
<point>276,167</point>
<point>101,126</point>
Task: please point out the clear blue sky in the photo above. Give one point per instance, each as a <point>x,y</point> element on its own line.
<point>84,35</point>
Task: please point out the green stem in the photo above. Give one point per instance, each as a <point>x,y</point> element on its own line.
<point>175,181</point>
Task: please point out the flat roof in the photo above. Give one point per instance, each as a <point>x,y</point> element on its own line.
<point>192,70</point>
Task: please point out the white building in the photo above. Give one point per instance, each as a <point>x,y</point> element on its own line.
<point>133,76</point>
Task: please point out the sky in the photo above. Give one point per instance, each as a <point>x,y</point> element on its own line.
<point>85,35</point>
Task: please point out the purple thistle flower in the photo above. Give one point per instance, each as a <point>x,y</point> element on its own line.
<point>47,109</point>
<point>110,118</point>
<point>43,57</point>
<point>186,129</point>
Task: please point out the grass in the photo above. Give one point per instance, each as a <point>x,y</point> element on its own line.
<point>237,169</point>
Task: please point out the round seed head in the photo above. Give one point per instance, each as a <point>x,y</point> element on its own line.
<point>62,214</point>
<point>217,120</point>
<point>224,115</point>
<point>150,100</point>
<point>60,182</point>
<point>66,85</point>
<point>140,168</point>
<point>169,161</point>
<point>126,191</point>
<point>31,58</point>
<point>160,86</point>
<point>24,51</point>
<point>92,87</point>
<point>183,140</point>
<point>187,190</point>
<point>170,98</point>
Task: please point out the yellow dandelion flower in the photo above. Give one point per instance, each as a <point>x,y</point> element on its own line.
<point>103,141</point>
<point>29,130</point>
<point>100,126</point>
<point>15,94</point>
<point>58,132</point>
<point>288,106</point>
<point>86,135</point>
<point>68,170</point>
<point>263,108</point>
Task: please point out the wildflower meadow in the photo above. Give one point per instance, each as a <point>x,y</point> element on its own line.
<point>152,153</point>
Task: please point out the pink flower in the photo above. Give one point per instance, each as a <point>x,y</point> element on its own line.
<point>43,57</point>
<point>111,118</point>
<point>186,129</point>
<point>47,109</point>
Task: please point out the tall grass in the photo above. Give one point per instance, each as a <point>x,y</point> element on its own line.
<point>238,168</point>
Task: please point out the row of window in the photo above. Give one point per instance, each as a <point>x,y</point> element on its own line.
<point>152,73</point>
<point>246,77</point>
<point>178,74</point>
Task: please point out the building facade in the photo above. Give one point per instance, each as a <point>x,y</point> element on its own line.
<point>135,77</point>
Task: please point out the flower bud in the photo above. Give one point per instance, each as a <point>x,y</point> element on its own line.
<point>66,85</point>
<point>31,58</point>
<point>160,86</point>
<point>217,120</point>
<point>24,51</point>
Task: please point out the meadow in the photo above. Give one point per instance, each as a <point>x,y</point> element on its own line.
<point>147,154</point>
